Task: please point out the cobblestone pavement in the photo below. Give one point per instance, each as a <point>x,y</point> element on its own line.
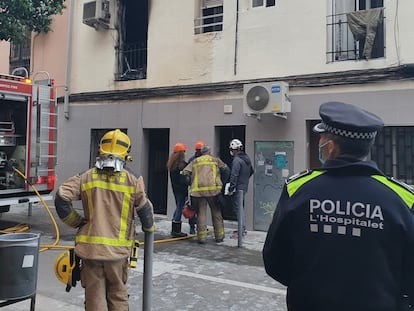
<point>186,275</point>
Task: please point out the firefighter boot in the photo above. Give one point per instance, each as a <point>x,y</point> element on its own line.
<point>176,230</point>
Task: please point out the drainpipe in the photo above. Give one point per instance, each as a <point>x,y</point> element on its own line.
<point>235,37</point>
<point>68,58</point>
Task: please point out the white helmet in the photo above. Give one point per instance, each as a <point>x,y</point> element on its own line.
<point>236,144</point>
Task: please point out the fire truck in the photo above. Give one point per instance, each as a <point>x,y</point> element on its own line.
<point>28,140</point>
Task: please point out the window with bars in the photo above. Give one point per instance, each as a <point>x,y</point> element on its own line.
<point>394,152</point>
<point>210,16</point>
<point>261,3</point>
<point>347,23</point>
<point>20,54</point>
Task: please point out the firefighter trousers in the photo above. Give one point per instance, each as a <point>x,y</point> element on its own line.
<point>217,218</point>
<point>105,284</point>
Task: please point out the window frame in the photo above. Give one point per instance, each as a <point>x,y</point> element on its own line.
<point>341,45</point>
<point>264,3</point>
<point>210,17</point>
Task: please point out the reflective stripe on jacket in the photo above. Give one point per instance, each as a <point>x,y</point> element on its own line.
<point>108,202</point>
<point>205,176</point>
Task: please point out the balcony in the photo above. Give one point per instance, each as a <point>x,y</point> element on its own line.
<point>132,62</point>
<point>355,35</point>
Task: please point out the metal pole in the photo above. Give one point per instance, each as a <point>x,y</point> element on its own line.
<point>147,283</point>
<point>240,219</point>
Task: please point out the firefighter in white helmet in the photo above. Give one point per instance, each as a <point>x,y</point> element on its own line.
<point>110,196</point>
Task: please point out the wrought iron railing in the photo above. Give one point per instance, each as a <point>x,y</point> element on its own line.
<point>342,45</point>
<point>132,62</point>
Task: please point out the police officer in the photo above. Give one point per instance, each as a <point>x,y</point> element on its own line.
<point>342,236</point>
<point>110,197</point>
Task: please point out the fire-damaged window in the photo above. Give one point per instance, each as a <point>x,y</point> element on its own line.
<point>209,16</point>
<point>355,30</point>
<point>132,36</point>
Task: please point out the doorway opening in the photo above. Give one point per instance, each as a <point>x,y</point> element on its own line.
<point>224,135</point>
<point>157,184</point>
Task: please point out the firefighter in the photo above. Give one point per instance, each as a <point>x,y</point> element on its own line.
<point>110,196</point>
<point>176,162</point>
<point>204,173</point>
<point>342,236</point>
<point>197,150</point>
<point>241,171</point>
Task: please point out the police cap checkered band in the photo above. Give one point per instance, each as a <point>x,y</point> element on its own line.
<point>348,121</point>
<point>348,134</point>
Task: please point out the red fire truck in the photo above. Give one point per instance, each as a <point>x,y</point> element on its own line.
<point>28,137</point>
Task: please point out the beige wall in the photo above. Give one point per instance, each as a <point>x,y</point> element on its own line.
<point>49,51</point>
<point>288,39</point>
<point>4,56</point>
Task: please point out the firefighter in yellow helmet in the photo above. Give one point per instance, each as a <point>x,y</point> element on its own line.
<point>110,196</point>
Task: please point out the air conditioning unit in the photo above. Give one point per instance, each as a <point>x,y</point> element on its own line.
<point>96,14</point>
<point>269,97</point>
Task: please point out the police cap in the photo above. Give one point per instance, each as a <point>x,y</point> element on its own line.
<point>348,121</point>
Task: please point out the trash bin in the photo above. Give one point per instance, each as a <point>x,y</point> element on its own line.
<point>19,254</point>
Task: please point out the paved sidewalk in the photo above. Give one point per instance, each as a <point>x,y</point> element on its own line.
<point>186,275</point>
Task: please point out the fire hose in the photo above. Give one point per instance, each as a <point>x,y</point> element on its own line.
<point>67,263</point>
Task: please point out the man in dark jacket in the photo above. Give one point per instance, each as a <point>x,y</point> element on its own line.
<point>241,170</point>
<point>342,237</point>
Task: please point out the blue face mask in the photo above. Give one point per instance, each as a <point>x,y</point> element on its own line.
<point>321,159</point>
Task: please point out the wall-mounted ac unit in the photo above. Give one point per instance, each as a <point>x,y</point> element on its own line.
<point>269,97</point>
<point>96,14</point>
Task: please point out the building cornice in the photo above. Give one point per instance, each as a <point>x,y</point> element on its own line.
<point>350,77</point>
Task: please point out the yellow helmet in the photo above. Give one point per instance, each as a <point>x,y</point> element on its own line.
<point>116,143</point>
<point>63,267</point>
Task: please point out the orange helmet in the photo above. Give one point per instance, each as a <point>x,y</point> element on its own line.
<point>198,145</point>
<point>179,147</point>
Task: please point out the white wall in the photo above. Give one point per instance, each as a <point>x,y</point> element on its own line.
<point>288,39</point>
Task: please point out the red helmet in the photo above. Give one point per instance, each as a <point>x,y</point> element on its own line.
<point>198,145</point>
<point>179,147</point>
<point>188,212</point>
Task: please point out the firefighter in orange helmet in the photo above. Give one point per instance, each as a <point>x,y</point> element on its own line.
<point>197,150</point>
<point>110,197</point>
<point>204,174</point>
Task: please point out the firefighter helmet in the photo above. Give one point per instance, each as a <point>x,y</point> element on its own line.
<point>63,267</point>
<point>116,143</point>
<point>236,144</point>
<point>179,147</point>
<point>198,145</point>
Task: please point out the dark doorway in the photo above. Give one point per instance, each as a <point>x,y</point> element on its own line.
<point>225,134</point>
<point>158,146</point>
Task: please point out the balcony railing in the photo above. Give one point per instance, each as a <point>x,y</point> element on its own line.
<point>342,44</point>
<point>132,62</point>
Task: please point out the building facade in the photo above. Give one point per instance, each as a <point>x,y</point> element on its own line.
<point>213,70</point>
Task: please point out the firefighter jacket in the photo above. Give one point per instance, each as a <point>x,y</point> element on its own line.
<point>342,238</point>
<point>109,201</point>
<point>205,174</point>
